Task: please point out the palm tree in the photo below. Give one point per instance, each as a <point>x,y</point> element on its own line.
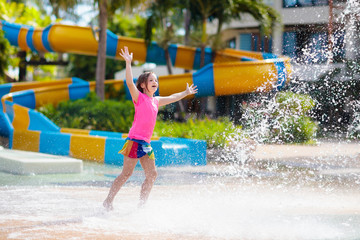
<point>159,17</point>
<point>4,56</point>
<point>226,10</point>
<point>204,9</point>
<point>60,8</point>
<point>187,19</point>
<point>265,15</point>
<point>107,9</point>
<point>101,56</point>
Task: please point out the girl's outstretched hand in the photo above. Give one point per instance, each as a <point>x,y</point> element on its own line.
<point>126,55</point>
<point>191,89</point>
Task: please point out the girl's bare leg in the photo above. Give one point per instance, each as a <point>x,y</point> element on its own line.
<point>150,176</point>
<point>128,168</point>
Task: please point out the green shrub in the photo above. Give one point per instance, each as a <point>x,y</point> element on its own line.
<point>215,132</point>
<point>91,113</point>
<point>354,128</point>
<point>4,55</point>
<point>109,115</point>
<point>296,129</point>
<point>293,103</point>
<point>282,120</point>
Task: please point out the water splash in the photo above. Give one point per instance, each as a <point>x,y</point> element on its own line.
<point>191,212</point>
<point>354,127</point>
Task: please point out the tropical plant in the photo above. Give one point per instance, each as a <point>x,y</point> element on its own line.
<point>4,55</point>
<point>128,25</point>
<point>59,8</point>
<point>282,119</point>
<point>203,9</point>
<point>18,12</point>
<point>217,133</point>
<point>84,67</point>
<point>225,11</point>
<point>265,15</point>
<point>107,9</point>
<point>354,127</point>
<point>337,95</point>
<point>92,114</point>
<point>117,116</point>
<point>187,19</point>
<point>159,17</point>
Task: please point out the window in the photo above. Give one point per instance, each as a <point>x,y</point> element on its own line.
<point>245,41</point>
<point>255,42</point>
<point>312,47</point>
<point>304,3</point>
<point>231,43</point>
<point>338,45</point>
<point>289,44</point>
<point>316,49</point>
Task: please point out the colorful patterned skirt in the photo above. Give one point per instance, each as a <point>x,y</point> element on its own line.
<point>134,148</point>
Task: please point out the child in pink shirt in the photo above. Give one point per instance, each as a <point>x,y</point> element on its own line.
<point>137,145</point>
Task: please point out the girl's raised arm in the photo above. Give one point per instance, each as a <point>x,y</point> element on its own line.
<point>134,92</point>
<point>177,96</point>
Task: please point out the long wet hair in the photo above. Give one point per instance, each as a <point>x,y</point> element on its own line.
<point>143,78</point>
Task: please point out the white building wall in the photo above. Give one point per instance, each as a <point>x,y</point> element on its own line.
<point>289,16</point>
<point>305,15</point>
<point>293,18</point>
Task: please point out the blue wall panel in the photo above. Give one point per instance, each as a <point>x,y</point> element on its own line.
<point>11,31</point>
<point>45,38</point>
<point>245,41</point>
<point>111,43</point>
<point>5,125</point>
<point>77,91</point>
<point>55,143</point>
<point>204,80</point>
<point>29,39</point>
<point>172,52</point>
<point>155,54</point>
<point>39,122</point>
<point>112,147</point>
<point>281,71</point>
<point>197,58</point>
<point>25,98</point>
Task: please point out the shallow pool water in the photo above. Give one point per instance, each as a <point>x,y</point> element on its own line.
<point>216,201</point>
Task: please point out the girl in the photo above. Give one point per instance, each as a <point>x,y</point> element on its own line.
<point>137,145</point>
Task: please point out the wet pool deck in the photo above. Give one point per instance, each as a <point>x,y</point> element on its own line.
<point>327,157</point>
<point>284,192</point>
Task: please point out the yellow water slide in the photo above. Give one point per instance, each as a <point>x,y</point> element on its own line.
<point>226,72</point>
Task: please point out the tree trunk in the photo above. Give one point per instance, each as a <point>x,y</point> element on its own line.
<point>22,66</point>
<point>203,43</point>
<point>9,79</point>
<point>187,27</point>
<point>101,57</point>
<point>201,104</point>
<point>187,30</point>
<point>168,61</point>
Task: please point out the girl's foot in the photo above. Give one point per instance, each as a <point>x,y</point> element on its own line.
<point>108,205</point>
<point>141,204</point>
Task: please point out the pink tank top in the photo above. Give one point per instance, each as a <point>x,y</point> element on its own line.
<point>146,109</point>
